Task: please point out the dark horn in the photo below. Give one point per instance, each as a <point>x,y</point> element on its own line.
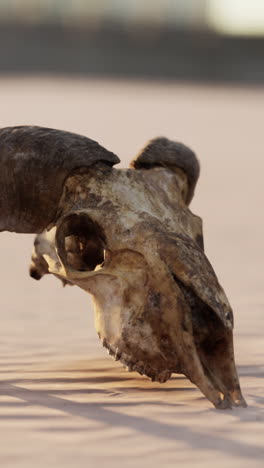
<point>35,163</point>
<point>170,154</point>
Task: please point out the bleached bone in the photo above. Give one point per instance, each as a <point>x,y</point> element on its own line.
<point>127,237</point>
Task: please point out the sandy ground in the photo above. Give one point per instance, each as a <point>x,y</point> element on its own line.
<point>63,401</point>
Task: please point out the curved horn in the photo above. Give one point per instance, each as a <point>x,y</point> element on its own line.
<point>166,153</point>
<point>35,162</point>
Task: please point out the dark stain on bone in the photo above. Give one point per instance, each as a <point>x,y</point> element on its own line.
<point>34,273</point>
<point>200,241</point>
<point>213,342</point>
<point>155,299</point>
<point>206,325</point>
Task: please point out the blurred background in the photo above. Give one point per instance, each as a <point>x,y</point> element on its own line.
<point>183,39</point>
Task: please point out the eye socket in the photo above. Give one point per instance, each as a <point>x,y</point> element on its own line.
<point>80,242</point>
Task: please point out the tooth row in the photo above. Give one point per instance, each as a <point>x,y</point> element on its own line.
<point>140,366</point>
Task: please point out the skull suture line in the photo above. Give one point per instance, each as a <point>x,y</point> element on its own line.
<point>127,237</point>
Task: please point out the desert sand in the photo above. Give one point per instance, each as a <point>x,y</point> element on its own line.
<point>63,401</point>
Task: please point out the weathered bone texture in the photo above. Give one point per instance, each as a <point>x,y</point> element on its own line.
<point>127,237</point>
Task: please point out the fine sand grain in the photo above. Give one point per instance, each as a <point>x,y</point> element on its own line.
<point>63,401</point>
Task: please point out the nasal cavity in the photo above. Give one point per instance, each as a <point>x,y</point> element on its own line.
<point>80,242</point>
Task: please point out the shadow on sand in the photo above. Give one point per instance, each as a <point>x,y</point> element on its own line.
<point>108,411</point>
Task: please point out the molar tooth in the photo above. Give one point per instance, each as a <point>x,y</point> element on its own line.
<point>146,369</point>
<point>164,376</point>
<point>104,342</point>
<point>140,367</point>
<point>117,355</point>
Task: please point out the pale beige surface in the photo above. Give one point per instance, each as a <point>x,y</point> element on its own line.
<point>63,402</point>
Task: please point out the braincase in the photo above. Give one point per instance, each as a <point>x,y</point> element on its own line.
<point>35,162</point>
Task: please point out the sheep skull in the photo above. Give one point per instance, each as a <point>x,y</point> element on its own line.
<point>127,237</point>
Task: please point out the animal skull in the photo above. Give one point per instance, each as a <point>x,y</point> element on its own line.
<point>127,237</point>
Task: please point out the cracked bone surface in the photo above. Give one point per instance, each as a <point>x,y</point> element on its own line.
<point>127,237</point>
